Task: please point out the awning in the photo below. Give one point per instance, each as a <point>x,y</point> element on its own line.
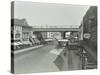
<point>19,43</point>
<point>33,36</point>
<point>26,42</point>
<point>14,43</point>
<point>36,40</point>
<point>63,40</point>
<point>48,39</point>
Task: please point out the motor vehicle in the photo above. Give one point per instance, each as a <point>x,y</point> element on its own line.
<point>27,44</point>
<point>37,42</point>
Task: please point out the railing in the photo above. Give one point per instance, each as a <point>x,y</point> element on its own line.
<point>56,26</point>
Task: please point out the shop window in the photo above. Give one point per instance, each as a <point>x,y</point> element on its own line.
<point>17,36</point>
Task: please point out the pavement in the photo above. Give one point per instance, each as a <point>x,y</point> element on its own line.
<point>74,62</point>
<point>27,49</point>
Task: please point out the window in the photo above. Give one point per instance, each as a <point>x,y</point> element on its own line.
<point>17,35</point>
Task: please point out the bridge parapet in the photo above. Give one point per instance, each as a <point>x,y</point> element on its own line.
<point>56,26</point>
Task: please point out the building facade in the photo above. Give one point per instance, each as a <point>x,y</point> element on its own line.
<point>52,35</point>
<point>21,30</point>
<point>17,32</point>
<point>89,42</point>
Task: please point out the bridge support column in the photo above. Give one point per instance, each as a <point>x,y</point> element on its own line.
<point>44,35</point>
<point>63,35</point>
<point>81,32</point>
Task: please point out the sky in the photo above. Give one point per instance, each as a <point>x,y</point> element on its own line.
<point>49,13</point>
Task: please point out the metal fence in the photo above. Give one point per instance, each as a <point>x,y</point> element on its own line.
<point>56,26</point>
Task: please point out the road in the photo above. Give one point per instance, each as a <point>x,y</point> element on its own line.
<point>42,60</point>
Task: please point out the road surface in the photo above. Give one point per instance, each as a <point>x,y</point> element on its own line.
<point>42,60</point>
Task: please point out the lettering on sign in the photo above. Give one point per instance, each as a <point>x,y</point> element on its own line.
<point>87,35</point>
